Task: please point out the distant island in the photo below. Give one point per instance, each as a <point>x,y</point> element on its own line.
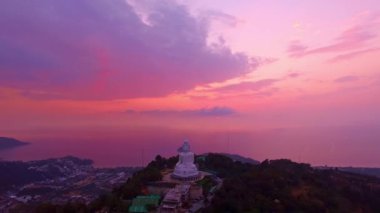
<point>6,143</point>
<point>357,170</point>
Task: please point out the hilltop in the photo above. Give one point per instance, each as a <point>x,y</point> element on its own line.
<point>286,186</point>
<point>240,158</point>
<point>270,186</point>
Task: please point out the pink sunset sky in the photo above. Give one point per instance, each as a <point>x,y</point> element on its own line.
<point>308,67</point>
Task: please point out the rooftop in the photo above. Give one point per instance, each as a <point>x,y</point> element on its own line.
<point>140,202</point>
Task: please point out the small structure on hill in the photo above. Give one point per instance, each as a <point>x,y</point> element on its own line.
<point>175,197</point>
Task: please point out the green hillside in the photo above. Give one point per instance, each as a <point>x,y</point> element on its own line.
<point>285,186</point>
<point>271,186</point>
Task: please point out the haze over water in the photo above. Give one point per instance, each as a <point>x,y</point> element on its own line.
<point>139,146</point>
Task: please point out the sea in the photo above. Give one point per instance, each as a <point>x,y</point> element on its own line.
<point>318,147</point>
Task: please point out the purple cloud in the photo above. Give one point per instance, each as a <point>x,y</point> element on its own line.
<point>220,16</point>
<point>294,75</point>
<point>248,86</point>
<point>347,78</point>
<point>93,49</point>
<point>352,54</point>
<point>213,112</point>
<point>296,49</point>
<point>354,37</point>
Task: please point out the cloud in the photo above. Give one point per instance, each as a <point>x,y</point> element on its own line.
<point>347,78</point>
<point>353,37</point>
<point>204,112</point>
<point>247,86</point>
<point>221,17</point>
<point>94,49</point>
<point>296,49</point>
<point>352,54</point>
<point>293,75</point>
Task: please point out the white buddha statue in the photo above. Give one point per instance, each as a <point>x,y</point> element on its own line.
<point>185,169</point>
